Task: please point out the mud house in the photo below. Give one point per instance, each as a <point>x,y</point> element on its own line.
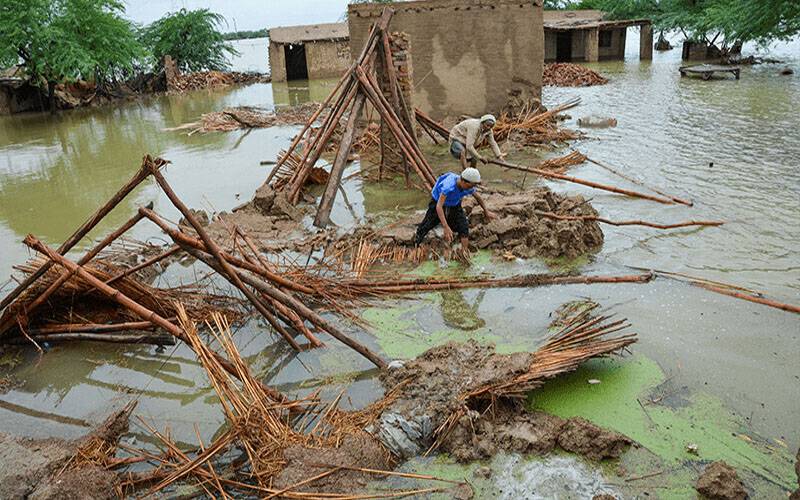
<point>313,51</point>
<point>584,35</point>
<point>467,56</point>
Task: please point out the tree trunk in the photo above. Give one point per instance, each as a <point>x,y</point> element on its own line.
<point>51,96</point>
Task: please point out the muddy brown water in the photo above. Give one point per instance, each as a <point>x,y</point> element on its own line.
<point>55,170</point>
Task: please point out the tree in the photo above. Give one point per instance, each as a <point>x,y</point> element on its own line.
<point>66,40</point>
<point>727,23</point>
<point>191,37</point>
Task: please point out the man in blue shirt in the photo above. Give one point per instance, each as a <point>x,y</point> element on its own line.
<point>445,206</point>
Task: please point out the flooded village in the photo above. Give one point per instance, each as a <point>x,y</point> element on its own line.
<point>426,249</point>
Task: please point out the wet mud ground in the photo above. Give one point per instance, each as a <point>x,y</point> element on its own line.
<point>708,370</point>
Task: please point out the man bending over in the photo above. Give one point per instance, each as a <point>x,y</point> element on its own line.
<point>445,207</point>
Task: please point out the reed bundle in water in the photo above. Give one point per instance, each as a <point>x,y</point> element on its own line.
<point>530,127</point>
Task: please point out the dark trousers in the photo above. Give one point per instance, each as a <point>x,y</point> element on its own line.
<point>455,217</point>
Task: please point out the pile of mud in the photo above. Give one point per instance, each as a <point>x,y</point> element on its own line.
<point>46,469</point>
<point>431,387</point>
<point>518,230</point>
<point>269,219</point>
<point>719,481</point>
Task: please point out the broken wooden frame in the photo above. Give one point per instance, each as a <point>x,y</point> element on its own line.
<point>358,85</point>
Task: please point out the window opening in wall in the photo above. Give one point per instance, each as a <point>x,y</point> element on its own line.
<point>605,39</point>
<point>296,65</point>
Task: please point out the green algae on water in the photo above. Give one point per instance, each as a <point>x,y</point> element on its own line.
<point>621,402</point>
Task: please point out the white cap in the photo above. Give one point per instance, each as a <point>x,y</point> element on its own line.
<point>488,118</point>
<point>471,175</point>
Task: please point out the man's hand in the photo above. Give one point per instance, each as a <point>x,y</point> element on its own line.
<point>502,156</point>
<point>448,234</point>
<point>490,216</point>
<point>483,160</point>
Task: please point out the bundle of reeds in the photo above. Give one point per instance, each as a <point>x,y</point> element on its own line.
<point>531,127</point>
<point>562,163</point>
<point>571,75</point>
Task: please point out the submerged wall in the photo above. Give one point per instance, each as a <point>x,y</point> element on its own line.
<point>470,56</point>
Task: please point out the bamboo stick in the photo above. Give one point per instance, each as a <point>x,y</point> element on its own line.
<point>123,338</point>
<point>640,183</point>
<point>397,130</point>
<point>83,230</point>
<point>92,328</point>
<point>552,215</point>
<point>750,298</point>
<point>182,239</point>
<point>323,216</point>
<point>130,304</point>
<point>404,129</point>
<point>31,306</point>
<point>298,306</point>
<point>228,271</point>
<point>596,185</point>
<point>433,124</point>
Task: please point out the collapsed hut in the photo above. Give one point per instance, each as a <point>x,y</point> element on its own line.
<point>586,36</point>
<point>309,52</point>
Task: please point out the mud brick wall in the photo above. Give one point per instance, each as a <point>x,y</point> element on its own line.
<point>324,59</point>
<point>401,56</point>
<point>469,56</point>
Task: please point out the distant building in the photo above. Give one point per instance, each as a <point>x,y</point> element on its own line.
<point>584,35</point>
<point>468,56</point>
<point>313,51</point>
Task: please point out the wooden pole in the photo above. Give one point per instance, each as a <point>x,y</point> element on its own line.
<point>131,305</point>
<point>228,272</point>
<point>299,307</point>
<point>419,163</point>
<point>323,217</point>
<point>183,239</point>
<point>596,185</point>
<point>750,298</point>
<point>87,226</point>
<point>122,338</point>
<point>92,328</point>
<point>628,222</point>
<point>640,183</point>
<point>42,298</point>
<point>186,242</point>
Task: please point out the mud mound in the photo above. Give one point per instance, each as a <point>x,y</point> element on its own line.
<point>719,481</point>
<point>518,230</point>
<point>431,390</point>
<point>510,427</point>
<point>355,451</point>
<point>89,483</point>
<point>31,468</point>
<point>269,219</point>
<point>26,462</point>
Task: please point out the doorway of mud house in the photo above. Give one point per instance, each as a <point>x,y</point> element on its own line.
<point>564,46</point>
<point>296,65</point>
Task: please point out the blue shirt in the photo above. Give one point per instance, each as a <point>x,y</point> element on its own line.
<point>447,185</point>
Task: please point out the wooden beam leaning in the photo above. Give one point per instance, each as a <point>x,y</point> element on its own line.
<point>228,272</point>
<point>323,217</point>
<point>91,254</point>
<point>130,304</point>
<point>298,306</point>
<point>596,185</point>
<point>83,230</point>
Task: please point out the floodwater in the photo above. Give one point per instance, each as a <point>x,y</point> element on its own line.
<point>731,146</point>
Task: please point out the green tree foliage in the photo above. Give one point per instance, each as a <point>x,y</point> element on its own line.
<point>67,40</point>
<point>727,21</point>
<point>191,37</point>
<point>246,34</point>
